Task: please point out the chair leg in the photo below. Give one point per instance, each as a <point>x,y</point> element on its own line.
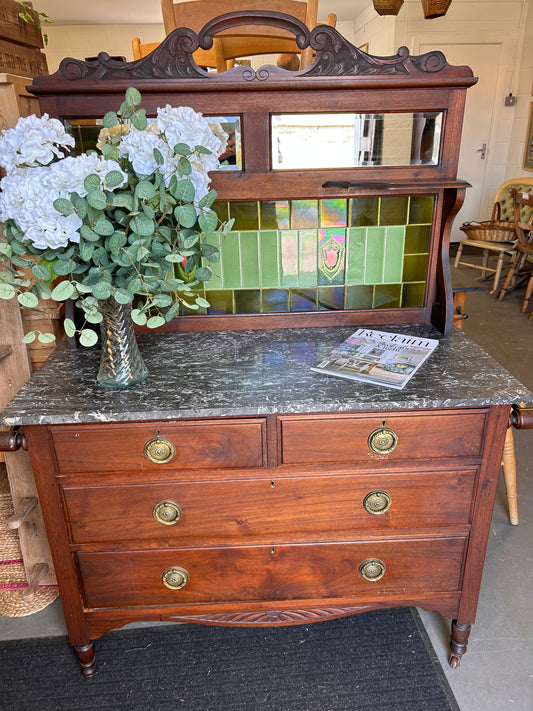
<point>509,475</point>
<point>458,255</point>
<point>529,291</point>
<point>510,275</point>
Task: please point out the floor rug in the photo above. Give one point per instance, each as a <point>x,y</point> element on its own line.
<point>376,661</point>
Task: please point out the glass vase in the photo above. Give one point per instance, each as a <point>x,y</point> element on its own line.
<point>121,364</point>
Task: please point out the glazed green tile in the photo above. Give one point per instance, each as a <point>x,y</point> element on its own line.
<point>222,210</point>
<point>330,298</point>
<point>413,295</point>
<point>221,302</point>
<point>274,215</point>
<point>247,301</point>
<point>307,257</point>
<point>230,261</point>
<point>288,243</point>
<point>333,213</point>
<point>363,211</point>
<point>375,252</point>
<point>246,215</point>
<point>268,252</point>
<point>415,267</point>
<point>331,254</point>
<point>387,296</point>
<point>421,209</point>
<point>393,210</point>
<point>275,300</point>
<point>249,244</point>
<point>417,239</point>
<point>358,297</point>
<point>355,255</point>
<point>304,214</point>
<point>303,300</point>
<point>393,260</point>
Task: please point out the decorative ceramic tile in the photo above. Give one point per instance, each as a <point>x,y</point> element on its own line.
<point>355,255</point>
<point>359,297</point>
<point>374,255</point>
<point>393,210</point>
<point>387,296</point>
<point>288,258</point>
<point>363,211</point>
<point>303,300</point>
<point>246,215</point>
<point>413,295</point>
<point>331,252</point>
<point>268,250</point>
<point>274,215</point>
<point>330,298</point>
<point>304,214</point>
<point>230,261</point>
<point>333,213</point>
<point>221,302</point>
<point>307,257</point>
<point>415,267</point>
<point>247,301</point>
<point>222,210</point>
<point>275,300</point>
<point>417,239</point>
<point>421,209</point>
<point>393,257</point>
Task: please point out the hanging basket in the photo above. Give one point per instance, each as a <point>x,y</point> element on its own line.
<point>387,7</point>
<point>435,8</point>
<point>493,230</point>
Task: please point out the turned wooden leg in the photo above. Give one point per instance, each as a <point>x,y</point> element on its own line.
<point>86,659</point>
<point>509,475</point>
<point>529,291</point>
<point>458,642</point>
<point>510,274</point>
<point>458,255</point>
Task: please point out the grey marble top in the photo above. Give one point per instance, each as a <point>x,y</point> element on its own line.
<point>236,373</point>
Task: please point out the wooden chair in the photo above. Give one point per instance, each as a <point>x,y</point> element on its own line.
<point>520,268</point>
<point>243,41</point>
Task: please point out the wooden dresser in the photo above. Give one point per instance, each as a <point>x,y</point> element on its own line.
<point>235,486</point>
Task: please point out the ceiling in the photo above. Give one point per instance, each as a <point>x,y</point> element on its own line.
<point>149,11</point>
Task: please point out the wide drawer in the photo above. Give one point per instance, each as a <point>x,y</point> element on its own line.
<point>305,505</point>
<point>345,438</point>
<point>284,572</point>
<point>185,445</point>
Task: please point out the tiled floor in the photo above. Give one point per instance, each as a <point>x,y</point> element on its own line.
<point>497,672</point>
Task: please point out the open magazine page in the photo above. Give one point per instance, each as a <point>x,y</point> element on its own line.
<point>378,357</point>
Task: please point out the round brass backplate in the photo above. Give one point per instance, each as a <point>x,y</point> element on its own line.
<point>175,578</point>
<point>372,569</point>
<point>382,440</point>
<point>377,502</point>
<point>159,451</point>
<point>167,512</point>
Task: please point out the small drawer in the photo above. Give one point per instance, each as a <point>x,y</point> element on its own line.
<point>384,436</point>
<point>284,572</point>
<point>208,444</point>
<point>290,507</point>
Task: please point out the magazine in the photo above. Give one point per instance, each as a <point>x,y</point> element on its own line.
<point>378,357</point>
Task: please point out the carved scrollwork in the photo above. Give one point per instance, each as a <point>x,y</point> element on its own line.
<point>272,617</point>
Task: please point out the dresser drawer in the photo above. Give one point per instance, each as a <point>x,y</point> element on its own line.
<point>296,506</point>
<point>346,438</point>
<point>184,445</point>
<point>285,572</point>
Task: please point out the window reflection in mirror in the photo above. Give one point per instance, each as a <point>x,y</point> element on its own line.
<point>347,140</point>
<point>86,133</point>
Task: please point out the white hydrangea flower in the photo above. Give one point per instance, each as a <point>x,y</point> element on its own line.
<point>33,142</point>
<point>185,125</point>
<point>138,148</point>
<point>69,174</point>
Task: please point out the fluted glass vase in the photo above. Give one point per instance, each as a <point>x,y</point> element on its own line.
<point>121,363</point>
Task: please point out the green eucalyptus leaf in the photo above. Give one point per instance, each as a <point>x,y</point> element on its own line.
<point>21,262</point>
<point>63,291</point>
<point>162,300</point>
<point>208,221</point>
<point>94,316</point>
<point>174,257</point>
<point>7,291</point>
<point>138,317</point>
<point>88,234</point>
<point>123,296</point>
<point>122,200</point>
<point>102,290</point>
<point>29,337</point>
<point>138,119</point>
<point>203,273</point>
<point>6,249</point>
<point>145,190</point>
<point>202,302</point>
<point>110,152</point>
<point>158,156</point>
<point>143,225</point>
<point>17,247</point>
<point>46,337</point>
<point>208,199</point>
<point>115,241</point>
<point>88,337</point>
<point>41,272</point>
<point>185,215</point>
<point>184,190</point>
<point>133,96</point>
<point>43,289</point>
<point>28,300</point>
<point>63,206</point>
<point>91,182</point>
<point>182,149</point>
<point>97,199</point>
<point>110,119</point>
<point>103,227</point>
<point>203,150</point>
<point>70,327</point>
<point>87,250</point>
<point>114,178</point>
<point>184,166</point>
<point>155,322</point>
<point>62,268</point>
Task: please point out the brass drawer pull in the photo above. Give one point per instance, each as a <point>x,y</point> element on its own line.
<point>377,502</point>
<point>175,578</point>
<point>159,451</point>
<point>167,512</point>
<point>372,569</point>
<point>383,440</point>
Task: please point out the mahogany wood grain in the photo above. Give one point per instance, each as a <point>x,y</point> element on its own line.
<point>341,438</point>
<point>277,573</point>
<point>281,508</point>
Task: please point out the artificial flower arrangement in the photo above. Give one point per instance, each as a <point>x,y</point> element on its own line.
<point>128,222</point>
